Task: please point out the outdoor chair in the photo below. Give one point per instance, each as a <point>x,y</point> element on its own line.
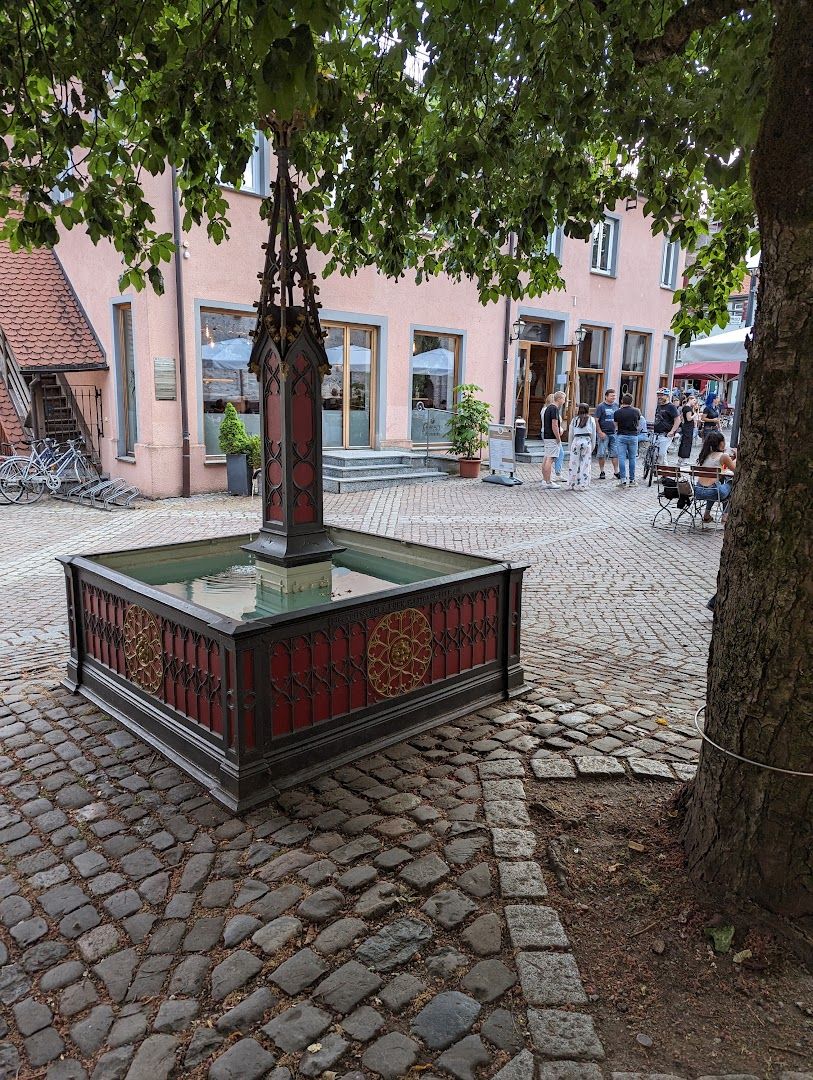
<point>669,481</point>
<point>692,515</point>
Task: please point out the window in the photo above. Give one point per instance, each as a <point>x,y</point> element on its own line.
<point>60,194</point>
<point>254,176</point>
<point>225,348</point>
<point>592,356</point>
<point>435,373</point>
<point>347,391</point>
<point>604,247</point>
<point>737,310</point>
<point>553,244</point>
<point>125,370</point>
<point>634,363</point>
<point>669,265</point>
<point>667,360</point>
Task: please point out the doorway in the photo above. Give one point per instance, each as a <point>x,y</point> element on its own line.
<point>536,365</point>
<point>347,390</point>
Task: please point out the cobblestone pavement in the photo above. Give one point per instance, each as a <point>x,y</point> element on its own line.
<point>389,919</point>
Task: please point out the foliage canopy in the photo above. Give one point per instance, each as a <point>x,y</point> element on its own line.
<point>436,128</point>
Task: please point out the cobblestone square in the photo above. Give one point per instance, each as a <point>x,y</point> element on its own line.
<point>356,927</point>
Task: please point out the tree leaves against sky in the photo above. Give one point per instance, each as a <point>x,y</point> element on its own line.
<point>434,129</point>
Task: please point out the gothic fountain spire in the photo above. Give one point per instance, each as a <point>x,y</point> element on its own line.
<point>293,548</point>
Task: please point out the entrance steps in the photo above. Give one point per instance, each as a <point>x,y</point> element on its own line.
<point>533,454</point>
<point>367,470</point>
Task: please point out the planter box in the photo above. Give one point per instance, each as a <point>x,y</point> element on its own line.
<point>238,474</point>
<point>469,468</point>
<point>250,705</point>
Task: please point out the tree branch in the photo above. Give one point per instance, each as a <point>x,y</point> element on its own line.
<point>696,15</point>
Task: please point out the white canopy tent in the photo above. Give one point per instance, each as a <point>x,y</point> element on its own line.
<point>721,347</point>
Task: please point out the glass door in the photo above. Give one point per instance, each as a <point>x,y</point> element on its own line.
<point>347,389</point>
<point>521,390</point>
<point>540,384</point>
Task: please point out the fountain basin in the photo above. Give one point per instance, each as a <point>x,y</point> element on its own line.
<point>250,690</point>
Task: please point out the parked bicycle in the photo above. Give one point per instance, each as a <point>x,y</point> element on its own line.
<point>650,459</point>
<point>47,468</point>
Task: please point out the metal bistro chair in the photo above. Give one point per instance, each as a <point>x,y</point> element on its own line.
<point>669,481</point>
<point>693,513</point>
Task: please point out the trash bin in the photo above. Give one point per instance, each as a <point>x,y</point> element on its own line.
<point>520,433</point>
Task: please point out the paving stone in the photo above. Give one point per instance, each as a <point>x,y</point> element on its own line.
<point>190,976</point>
<point>116,972</point>
<point>66,1069</point>
<point>507,813</point>
<point>297,1027</point>
<point>357,877</point>
<point>62,900</point>
<point>43,1047</point>
<point>248,1013</point>
<point>321,905</point>
<point>497,790</point>
<point>362,845</point>
<point>14,909</point>
<point>339,935</point>
<point>553,768</point>
<point>238,928</point>
<point>137,865</point>
<point>27,932</point>
<point>448,908</point>
<point>463,849</point>
<point>445,1019</point>
<point>650,769</point>
<point>465,1058</point>
<point>502,1029</point>
<point>127,1030</point>
<point>377,900</point>
<point>79,921</point>
<point>600,766</point>
<point>521,1067</point>
<point>513,843</point>
<point>488,980</point>
<point>234,972</point>
<point>446,962</point>
<point>302,969</point>
<point>568,1070</point>
<point>90,1034</point>
<point>521,880</point>
<point>154,1059</point>
<point>391,1056</point>
<point>363,1024</point>
<point>31,1016</point>
<point>500,770</point>
<point>550,979</point>
<point>532,926</point>
<point>277,901</point>
<point>114,1064</point>
<point>62,975</point>
<point>175,1015</point>
<point>75,998</point>
<point>484,935</point>
<point>274,936</point>
<point>425,872</point>
<point>558,1033</point>
<point>400,991</point>
<point>9,1061</point>
<point>331,1050</point>
<point>98,943</point>
<point>121,904</point>
<point>394,944</point>
<point>203,1043</point>
<point>477,881</point>
<point>204,935</point>
<point>346,987</point>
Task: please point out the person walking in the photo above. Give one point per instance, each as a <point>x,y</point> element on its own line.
<point>551,437</point>
<point>607,434</point>
<point>688,418</point>
<point>667,422</point>
<point>626,420</point>
<point>582,437</point>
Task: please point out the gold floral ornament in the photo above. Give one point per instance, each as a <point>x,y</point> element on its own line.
<point>143,653</point>
<point>399,652</point>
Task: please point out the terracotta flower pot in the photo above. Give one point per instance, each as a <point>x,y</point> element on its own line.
<point>469,468</point>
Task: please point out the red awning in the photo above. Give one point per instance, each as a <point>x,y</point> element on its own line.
<point>711,369</point>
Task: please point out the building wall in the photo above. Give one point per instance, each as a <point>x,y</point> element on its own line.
<point>225,276</point>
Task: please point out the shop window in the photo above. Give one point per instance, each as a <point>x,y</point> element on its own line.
<point>225,348</point>
<point>592,364</point>
<point>434,375</point>
<point>634,366</point>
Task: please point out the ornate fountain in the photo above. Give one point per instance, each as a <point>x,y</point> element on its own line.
<point>255,662</point>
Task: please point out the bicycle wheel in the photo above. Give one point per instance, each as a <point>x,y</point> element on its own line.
<point>649,465</point>
<point>11,479</point>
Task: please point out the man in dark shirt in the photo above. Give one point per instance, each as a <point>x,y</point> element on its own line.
<point>667,422</point>
<point>551,436</point>
<point>626,420</point>
<point>605,421</point>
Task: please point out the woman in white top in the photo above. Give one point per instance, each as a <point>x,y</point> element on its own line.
<point>582,435</point>
<point>713,456</point>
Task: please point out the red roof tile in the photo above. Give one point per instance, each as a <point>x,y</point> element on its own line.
<point>11,430</point>
<point>40,315</point>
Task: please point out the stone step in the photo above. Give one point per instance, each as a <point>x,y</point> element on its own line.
<point>359,458</point>
<point>359,472</point>
<point>343,485</point>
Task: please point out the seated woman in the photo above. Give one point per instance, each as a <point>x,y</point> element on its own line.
<point>713,456</point>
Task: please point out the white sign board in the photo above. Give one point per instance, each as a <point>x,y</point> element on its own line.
<point>501,457</point>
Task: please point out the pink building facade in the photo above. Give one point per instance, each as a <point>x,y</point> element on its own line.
<point>397,349</point>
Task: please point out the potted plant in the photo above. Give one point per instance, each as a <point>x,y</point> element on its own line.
<point>233,441</point>
<point>468,428</point>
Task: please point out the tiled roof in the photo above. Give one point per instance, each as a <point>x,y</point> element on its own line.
<point>40,315</point>
<point>11,430</point>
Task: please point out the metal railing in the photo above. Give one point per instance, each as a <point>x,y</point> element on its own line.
<point>85,402</point>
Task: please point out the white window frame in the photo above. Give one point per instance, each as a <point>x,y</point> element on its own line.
<point>553,243</point>
<point>254,180</point>
<point>60,194</point>
<point>669,264</point>
<point>607,226</point>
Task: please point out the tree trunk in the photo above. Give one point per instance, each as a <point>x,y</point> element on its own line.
<point>748,830</point>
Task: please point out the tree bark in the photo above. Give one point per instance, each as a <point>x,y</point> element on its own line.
<point>749,831</point>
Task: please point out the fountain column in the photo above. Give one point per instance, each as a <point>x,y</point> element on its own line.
<point>293,549</point>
